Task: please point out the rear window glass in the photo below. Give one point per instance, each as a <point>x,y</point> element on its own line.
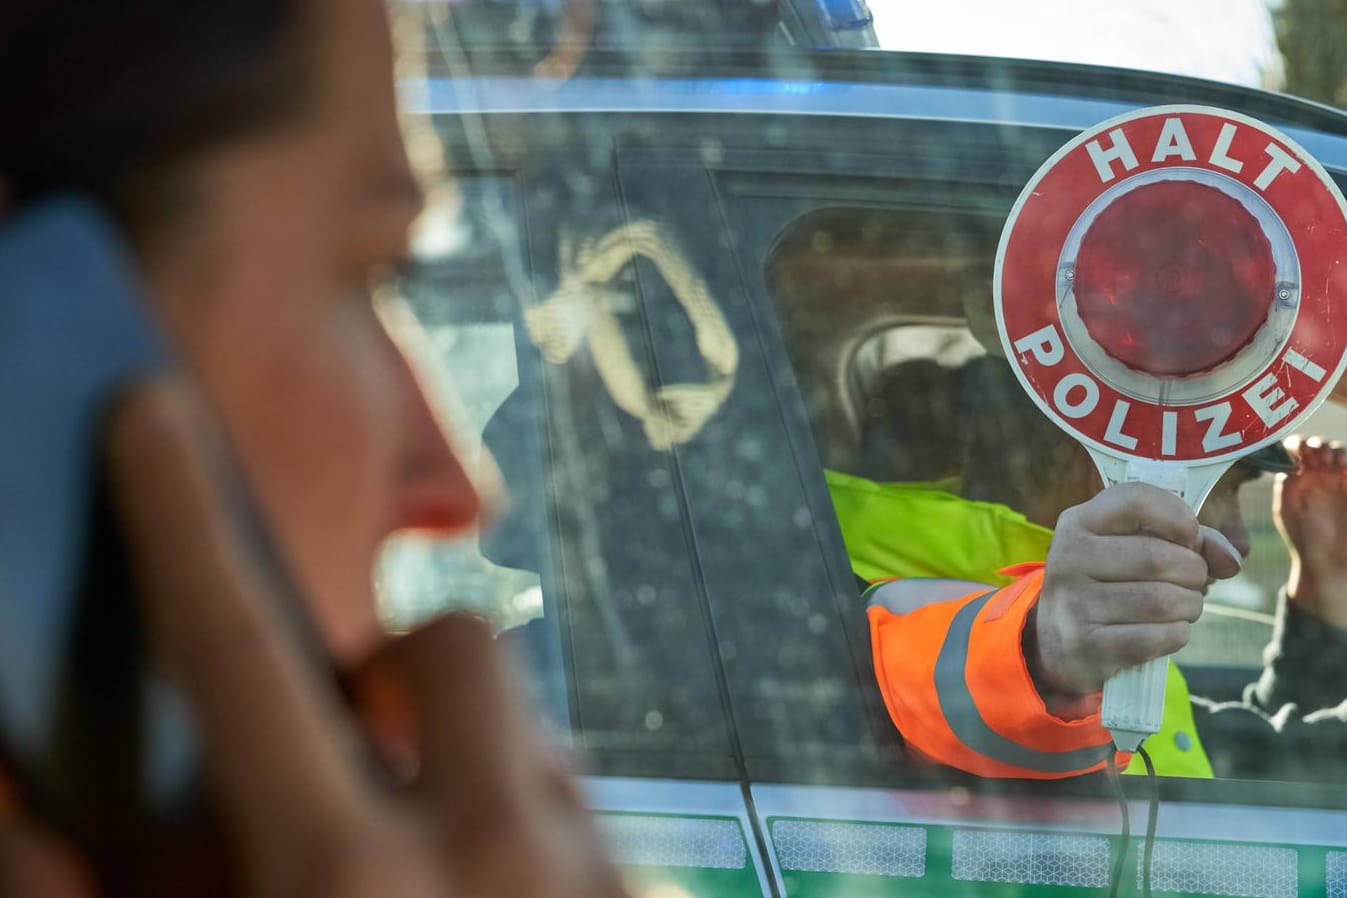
<point>675,333</point>
<point>888,378</point>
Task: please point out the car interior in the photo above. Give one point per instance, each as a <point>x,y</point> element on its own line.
<point>851,323</point>
<point>692,624</point>
<point>875,309</point>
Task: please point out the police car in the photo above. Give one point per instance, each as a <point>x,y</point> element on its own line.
<point>661,284</point>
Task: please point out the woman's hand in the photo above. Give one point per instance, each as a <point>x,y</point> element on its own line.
<point>34,864</point>
<point>487,809</point>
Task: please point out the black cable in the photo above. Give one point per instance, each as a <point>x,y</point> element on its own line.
<point>1153,813</point>
<point>1115,776</point>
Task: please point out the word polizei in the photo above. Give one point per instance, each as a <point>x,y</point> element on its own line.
<point>1076,395</point>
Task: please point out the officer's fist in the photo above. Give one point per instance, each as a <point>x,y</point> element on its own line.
<point>1125,579</point>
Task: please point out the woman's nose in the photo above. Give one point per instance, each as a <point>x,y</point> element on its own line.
<point>435,491</point>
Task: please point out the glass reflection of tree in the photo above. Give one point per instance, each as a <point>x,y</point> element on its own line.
<point>1312,36</point>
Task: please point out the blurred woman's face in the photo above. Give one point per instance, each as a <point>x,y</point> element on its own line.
<point>267,291</point>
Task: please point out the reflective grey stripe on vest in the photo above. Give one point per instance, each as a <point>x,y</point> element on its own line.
<point>964,720</point>
<point>910,593</point>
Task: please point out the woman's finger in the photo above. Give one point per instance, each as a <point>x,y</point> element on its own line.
<point>510,818</point>
<point>274,744</point>
<point>34,865</point>
<point>471,738</point>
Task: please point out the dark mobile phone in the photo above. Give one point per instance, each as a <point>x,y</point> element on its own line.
<point>96,742</point>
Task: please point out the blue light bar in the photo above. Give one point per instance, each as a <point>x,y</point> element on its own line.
<point>846,15</point>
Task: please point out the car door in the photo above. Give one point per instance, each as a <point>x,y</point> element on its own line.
<point>697,633</point>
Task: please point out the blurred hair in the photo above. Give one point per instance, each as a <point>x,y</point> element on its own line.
<point>911,426</point>
<point>1012,448</point>
<point>116,98</point>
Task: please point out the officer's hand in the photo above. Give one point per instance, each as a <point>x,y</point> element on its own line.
<point>1310,508</point>
<point>1124,581</point>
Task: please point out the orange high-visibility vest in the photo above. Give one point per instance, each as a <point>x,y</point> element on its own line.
<point>955,682</point>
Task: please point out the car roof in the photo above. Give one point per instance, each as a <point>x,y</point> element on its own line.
<point>867,84</point>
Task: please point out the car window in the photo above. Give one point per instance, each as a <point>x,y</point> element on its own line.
<point>872,307</point>
<point>888,376</point>
<point>472,336</point>
<point>872,303</point>
<point>679,304</point>
<point>588,556</point>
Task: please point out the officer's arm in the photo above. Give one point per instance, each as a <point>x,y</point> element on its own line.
<point>1123,581</point>
<point>956,684</point>
<point>1245,742</point>
<point>1305,664</point>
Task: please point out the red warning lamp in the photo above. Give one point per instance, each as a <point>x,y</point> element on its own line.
<point>1164,261</point>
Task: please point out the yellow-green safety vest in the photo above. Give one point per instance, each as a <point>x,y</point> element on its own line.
<point>925,530</point>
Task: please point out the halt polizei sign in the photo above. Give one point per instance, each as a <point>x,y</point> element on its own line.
<point>1171,289</point>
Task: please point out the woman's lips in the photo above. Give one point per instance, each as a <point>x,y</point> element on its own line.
<point>438,515</point>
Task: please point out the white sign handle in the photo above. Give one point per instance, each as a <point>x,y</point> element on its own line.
<point>1134,699</point>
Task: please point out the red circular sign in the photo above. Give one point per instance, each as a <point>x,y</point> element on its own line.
<point>1166,282</point>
